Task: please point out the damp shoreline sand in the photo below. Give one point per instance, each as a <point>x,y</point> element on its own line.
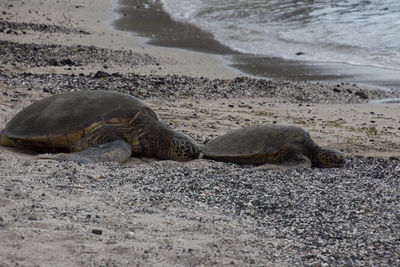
<point>165,213</point>
<point>147,18</point>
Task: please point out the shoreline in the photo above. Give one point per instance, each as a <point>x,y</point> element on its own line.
<point>151,21</point>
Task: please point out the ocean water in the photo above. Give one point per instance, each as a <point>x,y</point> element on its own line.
<point>348,31</point>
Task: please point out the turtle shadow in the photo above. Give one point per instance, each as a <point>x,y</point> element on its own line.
<point>21,151</point>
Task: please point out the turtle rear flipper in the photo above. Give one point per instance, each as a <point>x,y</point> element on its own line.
<point>118,151</point>
<point>297,161</point>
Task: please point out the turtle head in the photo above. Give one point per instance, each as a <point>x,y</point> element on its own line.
<point>183,148</point>
<point>329,158</point>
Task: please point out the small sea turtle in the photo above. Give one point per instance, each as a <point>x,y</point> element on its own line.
<point>96,126</point>
<point>272,146</point>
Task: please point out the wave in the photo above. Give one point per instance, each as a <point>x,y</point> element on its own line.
<point>354,32</point>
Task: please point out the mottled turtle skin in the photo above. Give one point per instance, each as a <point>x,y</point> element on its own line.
<point>272,146</point>
<point>97,126</point>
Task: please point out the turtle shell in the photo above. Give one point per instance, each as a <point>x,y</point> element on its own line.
<point>257,144</point>
<point>60,120</point>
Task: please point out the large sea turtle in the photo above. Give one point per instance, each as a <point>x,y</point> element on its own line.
<point>96,126</point>
<point>272,146</point>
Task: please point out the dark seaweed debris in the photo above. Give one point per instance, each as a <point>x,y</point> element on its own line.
<point>171,86</point>
<point>59,55</point>
<point>15,27</point>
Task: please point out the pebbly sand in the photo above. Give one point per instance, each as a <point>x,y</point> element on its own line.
<point>164,213</point>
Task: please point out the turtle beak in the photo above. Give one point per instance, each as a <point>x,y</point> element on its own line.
<point>337,160</point>
<point>340,159</point>
<point>195,151</point>
<point>330,158</point>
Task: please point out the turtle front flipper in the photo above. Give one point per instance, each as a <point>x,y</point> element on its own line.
<point>296,161</point>
<point>118,151</point>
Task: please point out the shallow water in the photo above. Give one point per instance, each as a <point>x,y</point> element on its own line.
<point>355,32</point>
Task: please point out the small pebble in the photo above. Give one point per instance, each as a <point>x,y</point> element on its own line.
<point>361,94</point>
<point>97,231</point>
<point>32,218</point>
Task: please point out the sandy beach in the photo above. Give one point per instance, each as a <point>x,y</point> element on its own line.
<point>199,213</point>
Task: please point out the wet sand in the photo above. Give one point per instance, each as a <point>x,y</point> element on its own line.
<point>199,213</point>
<point>148,19</point>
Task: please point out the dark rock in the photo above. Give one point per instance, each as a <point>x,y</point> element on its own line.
<point>53,62</point>
<point>97,231</point>
<point>116,74</point>
<point>66,61</point>
<point>299,53</point>
<point>62,62</point>
<point>361,94</point>
<point>101,74</point>
<point>32,218</point>
<point>84,32</point>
